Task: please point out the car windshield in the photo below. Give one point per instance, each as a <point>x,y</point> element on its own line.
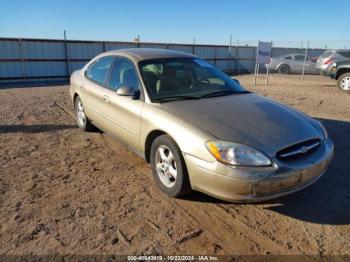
<point>185,78</point>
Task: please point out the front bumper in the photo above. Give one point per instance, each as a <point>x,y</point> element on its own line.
<point>253,184</point>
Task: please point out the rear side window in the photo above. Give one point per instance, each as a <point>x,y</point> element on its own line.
<point>299,57</point>
<point>98,71</point>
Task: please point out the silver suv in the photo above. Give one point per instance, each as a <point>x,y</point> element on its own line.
<point>325,61</point>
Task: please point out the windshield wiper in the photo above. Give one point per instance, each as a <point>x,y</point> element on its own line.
<point>225,92</point>
<point>178,97</point>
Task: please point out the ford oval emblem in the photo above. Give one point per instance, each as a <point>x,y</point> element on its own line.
<point>304,149</point>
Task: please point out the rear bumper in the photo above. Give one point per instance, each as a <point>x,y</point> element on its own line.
<point>324,68</point>
<point>254,184</point>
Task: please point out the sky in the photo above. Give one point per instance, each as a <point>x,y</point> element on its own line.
<point>293,22</point>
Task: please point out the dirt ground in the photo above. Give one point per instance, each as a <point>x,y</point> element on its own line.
<point>67,192</point>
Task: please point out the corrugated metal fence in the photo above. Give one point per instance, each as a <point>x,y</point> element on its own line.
<point>52,59</point>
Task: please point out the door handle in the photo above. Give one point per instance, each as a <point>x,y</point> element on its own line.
<point>106,99</point>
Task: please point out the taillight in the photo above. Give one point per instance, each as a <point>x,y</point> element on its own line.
<point>328,61</point>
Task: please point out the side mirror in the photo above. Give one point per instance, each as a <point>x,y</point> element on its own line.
<point>234,79</point>
<point>128,91</point>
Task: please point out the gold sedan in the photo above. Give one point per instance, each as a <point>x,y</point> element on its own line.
<point>199,129</point>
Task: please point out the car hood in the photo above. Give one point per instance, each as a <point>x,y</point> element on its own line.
<point>247,119</point>
<point>345,63</point>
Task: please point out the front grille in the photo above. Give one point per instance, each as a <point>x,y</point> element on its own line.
<point>299,150</point>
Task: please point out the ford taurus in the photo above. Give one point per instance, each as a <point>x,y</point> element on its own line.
<point>197,127</point>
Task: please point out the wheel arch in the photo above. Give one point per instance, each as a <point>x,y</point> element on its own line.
<point>282,64</point>
<point>149,140</point>
<point>342,71</point>
<point>75,95</point>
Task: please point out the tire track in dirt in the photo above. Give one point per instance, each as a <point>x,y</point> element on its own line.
<point>219,225</point>
<point>231,233</point>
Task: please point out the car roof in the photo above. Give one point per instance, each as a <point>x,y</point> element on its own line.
<point>139,54</point>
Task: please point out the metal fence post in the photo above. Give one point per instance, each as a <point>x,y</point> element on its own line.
<point>304,65</point>
<point>66,53</point>
<point>22,57</point>
<point>268,68</point>
<point>229,53</point>
<point>193,46</point>
<point>215,55</point>
<point>237,57</point>
<point>256,63</point>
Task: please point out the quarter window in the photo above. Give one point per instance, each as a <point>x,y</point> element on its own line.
<point>98,71</point>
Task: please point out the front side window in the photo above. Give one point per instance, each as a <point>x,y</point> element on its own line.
<point>185,78</point>
<point>98,71</point>
<point>123,74</point>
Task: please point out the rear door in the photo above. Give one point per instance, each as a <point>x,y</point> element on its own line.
<point>94,91</point>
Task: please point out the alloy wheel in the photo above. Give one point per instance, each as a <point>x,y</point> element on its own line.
<point>166,166</point>
<point>80,113</point>
<point>345,84</point>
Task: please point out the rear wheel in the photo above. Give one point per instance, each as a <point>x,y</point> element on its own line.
<point>284,69</point>
<point>344,82</point>
<point>82,120</point>
<point>169,168</point>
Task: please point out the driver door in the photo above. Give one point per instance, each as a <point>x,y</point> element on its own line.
<point>124,112</point>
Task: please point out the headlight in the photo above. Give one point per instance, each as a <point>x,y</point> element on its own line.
<point>237,154</point>
<point>323,130</point>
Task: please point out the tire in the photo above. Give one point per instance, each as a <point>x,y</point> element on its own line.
<point>344,82</point>
<point>83,122</point>
<point>164,167</point>
<point>284,69</point>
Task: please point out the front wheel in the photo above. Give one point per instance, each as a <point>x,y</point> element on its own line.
<point>344,82</point>
<point>169,168</point>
